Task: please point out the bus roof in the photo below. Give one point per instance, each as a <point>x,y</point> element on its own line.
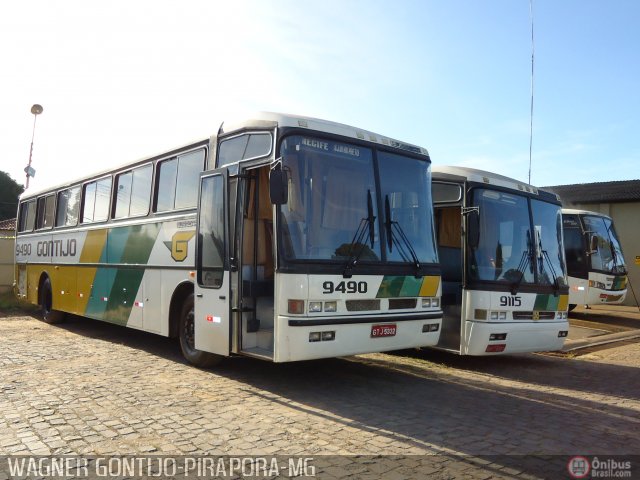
<point>482,176</point>
<point>577,211</point>
<point>257,120</point>
<point>282,120</point>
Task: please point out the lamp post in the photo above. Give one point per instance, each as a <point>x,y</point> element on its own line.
<point>36,110</point>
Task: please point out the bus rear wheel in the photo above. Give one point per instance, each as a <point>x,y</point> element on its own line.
<point>194,356</point>
<point>49,315</point>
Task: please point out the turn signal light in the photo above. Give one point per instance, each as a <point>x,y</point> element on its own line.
<point>296,307</point>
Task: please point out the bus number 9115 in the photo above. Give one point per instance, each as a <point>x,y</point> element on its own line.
<point>506,301</point>
<point>344,287</point>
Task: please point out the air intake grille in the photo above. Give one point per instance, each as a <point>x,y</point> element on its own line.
<point>362,305</point>
<point>534,315</point>
<point>402,303</point>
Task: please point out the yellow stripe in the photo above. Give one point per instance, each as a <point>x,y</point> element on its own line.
<point>93,246</point>
<point>91,253</point>
<point>563,302</point>
<point>86,275</point>
<point>430,285</point>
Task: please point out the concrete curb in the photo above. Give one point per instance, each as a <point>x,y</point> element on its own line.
<point>573,345</point>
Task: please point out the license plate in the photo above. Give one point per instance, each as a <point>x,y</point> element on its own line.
<point>383,330</point>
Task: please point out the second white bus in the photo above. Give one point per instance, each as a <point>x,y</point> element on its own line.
<point>503,266</point>
<point>596,268</point>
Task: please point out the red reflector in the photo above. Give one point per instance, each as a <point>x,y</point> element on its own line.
<point>496,348</point>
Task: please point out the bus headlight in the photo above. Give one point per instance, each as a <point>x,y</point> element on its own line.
<point>430,302</point>
<point>330,306</point>
<point>315,307</point>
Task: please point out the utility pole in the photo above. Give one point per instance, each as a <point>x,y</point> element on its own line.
<point>30,171</point>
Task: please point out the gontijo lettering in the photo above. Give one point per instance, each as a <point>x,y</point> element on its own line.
<point>57,248</point>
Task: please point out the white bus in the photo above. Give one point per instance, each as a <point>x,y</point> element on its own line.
<point>595,264</point>
<point>504,286</point>
<point>280,237</point>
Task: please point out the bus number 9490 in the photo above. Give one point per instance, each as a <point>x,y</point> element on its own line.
<point>344,287</point>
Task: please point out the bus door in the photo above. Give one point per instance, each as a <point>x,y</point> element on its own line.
<point>212,323</point>
<point>448,209</point>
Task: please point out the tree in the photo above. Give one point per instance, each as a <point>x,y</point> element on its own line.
<point>9,193</point>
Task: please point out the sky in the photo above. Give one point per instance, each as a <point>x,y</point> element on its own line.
<point>121,80</point>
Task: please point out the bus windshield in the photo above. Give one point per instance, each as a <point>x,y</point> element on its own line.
<point>515,247</point>
<point>333,211</point>
<point>608,255</point>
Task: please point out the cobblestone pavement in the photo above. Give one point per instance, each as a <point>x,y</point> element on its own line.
<point>90,388</point>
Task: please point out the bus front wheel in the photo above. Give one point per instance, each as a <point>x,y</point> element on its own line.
<point>49,315</point>
<point>194,356</point>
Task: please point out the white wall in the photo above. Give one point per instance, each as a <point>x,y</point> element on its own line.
<point>7,247</point>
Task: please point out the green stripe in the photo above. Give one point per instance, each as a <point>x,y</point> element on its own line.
<point>128,245</point>
<point>546,302</point>
<point>101,288</point>
<point>399,286</point>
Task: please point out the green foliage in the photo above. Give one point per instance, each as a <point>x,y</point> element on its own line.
<point>10,191</point>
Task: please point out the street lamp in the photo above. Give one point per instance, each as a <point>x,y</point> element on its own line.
<point>29,170</point>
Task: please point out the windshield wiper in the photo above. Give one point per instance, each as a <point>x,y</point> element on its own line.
<point>614,256</point>
<point>395,234</point>
<point>366,223</point>
<point>524,261</point>
<point>556,283</point>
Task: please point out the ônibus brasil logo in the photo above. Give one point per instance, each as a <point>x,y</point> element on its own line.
<point>579,467</point>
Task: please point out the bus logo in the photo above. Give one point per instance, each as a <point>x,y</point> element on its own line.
<point>179,245</point>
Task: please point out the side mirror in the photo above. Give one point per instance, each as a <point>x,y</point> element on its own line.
<point>278,185</point>
<point>473,229</point>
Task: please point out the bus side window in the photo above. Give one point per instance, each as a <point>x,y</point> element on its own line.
<point>177,181</point>
<point>574,246</point>
<point>95,202</point>
<point>67,207</point>
<point>45,212</point>
<point>27,218</point>
<point>133,192</point>
<point>244,147</point>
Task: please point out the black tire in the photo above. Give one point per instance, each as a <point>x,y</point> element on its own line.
<point>49,315</point>
<point>186,335</point>
<point>572,306</point>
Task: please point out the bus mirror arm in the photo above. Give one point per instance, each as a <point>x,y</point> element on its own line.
<point>473,229</point>
<point>593,244</point>
<point>278,185</point>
